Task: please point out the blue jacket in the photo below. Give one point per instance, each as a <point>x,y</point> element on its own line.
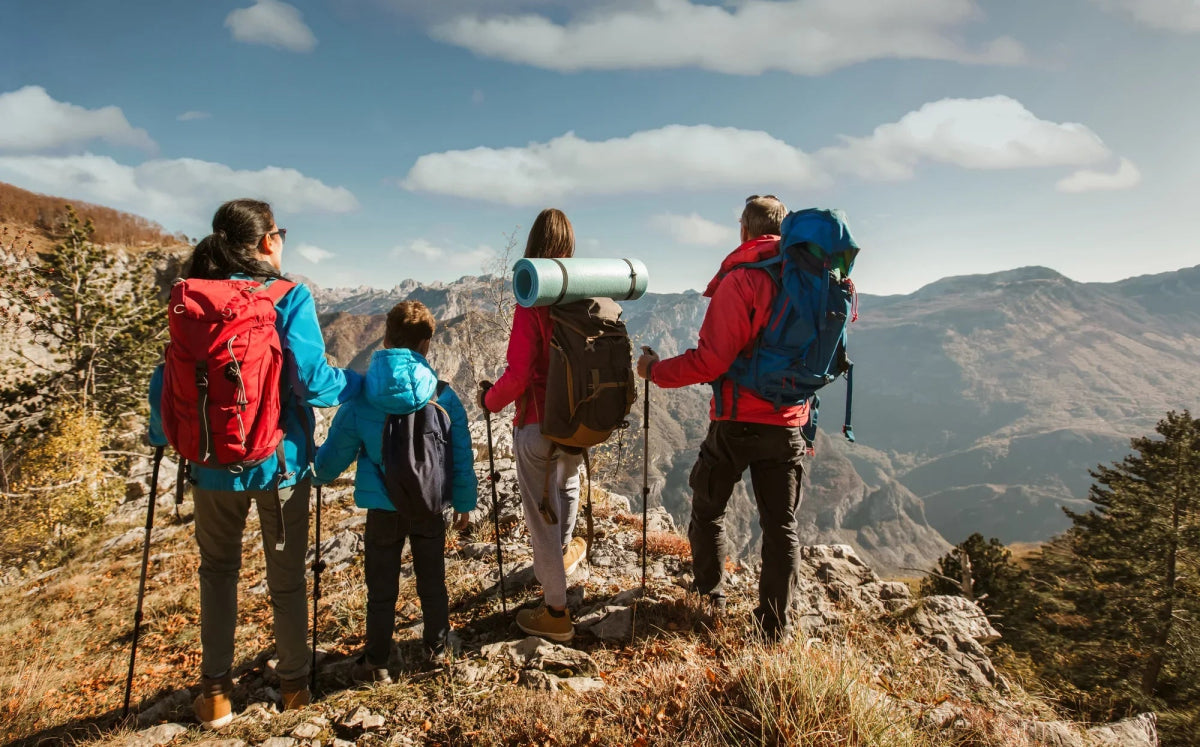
<point>313,383</point>
<point>399,381</point>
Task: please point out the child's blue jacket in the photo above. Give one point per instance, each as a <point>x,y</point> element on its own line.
<point>398,381</point>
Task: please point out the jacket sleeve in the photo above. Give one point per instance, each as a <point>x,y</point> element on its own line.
<point>465,492</point>
<point>313,380</point>
<point>156,436</point>
<point>341,445</point>
<point>727,329</point>
<point>524,344</point>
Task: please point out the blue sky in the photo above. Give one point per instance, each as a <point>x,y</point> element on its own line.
<point>404,139</point>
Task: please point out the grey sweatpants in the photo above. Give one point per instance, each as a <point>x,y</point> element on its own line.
<point>532,449</point>
<point>220,522</point>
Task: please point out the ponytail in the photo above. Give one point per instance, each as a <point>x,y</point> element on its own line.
<point>232,247</point>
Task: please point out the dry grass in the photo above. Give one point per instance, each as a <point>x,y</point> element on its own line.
<point>665,543</point>
<point>683,681</point>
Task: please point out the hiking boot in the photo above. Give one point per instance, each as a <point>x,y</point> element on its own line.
<point>364,673</point>
<point>573,554</point>
<point>212,706</point>
<point>294,693</point>
<point>444,650</point>
<point>714,605</point>
<point>542,623</point>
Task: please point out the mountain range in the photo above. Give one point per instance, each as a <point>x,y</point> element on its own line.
<point>981,401</point>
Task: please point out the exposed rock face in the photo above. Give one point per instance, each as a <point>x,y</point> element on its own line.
<point>967,395</point>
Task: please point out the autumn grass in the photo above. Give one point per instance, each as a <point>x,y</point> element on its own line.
<point>665,543</point>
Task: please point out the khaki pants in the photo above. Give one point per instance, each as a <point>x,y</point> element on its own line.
<point>532,449</point>
<point>220,523</point>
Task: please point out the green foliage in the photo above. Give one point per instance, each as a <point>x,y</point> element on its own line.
<point>65,486</point>
<point>84,327</point>
<point>997,582</point>
<point>1112,620</point>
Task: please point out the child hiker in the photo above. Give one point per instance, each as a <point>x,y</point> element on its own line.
<point>409,433</point>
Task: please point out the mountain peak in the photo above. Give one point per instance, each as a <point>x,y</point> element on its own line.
<point>994,280</point>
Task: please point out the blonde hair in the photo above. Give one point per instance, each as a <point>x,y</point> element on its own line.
<point>763,216</point>
<point>409,323</point>
<point>551,236</point>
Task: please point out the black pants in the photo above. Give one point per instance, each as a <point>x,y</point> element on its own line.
<point>385,535</point>
<point>774,455</point>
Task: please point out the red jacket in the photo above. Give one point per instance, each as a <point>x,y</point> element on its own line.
<point>740,306</point>
<point>524,381</point>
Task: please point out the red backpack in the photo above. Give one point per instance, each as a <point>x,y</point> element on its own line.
<point>222,387</point>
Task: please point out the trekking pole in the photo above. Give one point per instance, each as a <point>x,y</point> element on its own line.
<point>137,615</point>
<point>493,477</point>
<point>317,566</point>
<point>645,473</point>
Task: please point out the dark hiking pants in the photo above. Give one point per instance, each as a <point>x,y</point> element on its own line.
<point>774,454</point>
<point>385,535</point>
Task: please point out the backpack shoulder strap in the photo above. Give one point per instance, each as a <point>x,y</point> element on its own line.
<point>278,289</point>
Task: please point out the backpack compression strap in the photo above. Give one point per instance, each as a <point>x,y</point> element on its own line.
<point>770,265</point>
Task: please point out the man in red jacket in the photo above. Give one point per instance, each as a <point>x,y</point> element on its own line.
<point>746,430</point>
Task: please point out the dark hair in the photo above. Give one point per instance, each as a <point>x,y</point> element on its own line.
<point>232,247</point>
<point>762,216</point>
<point>551,236</point>
<point>409,323</point>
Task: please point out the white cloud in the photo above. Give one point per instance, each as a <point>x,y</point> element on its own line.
<point>422,248</point>
<point>806,37</point>
<point>180,193</point>
<point>272,23</point>
<point>193,116</point>
<point>983,134</point>
<point>694,230</point>
<point>314,254</point>
<point>461,258</point>
<point>1086,180</point>
<point>990,133</point>
<point>31,121</point>
<point>1181,16</point>
<point>673,157</point>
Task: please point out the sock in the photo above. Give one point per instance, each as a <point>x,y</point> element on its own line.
<point>556,613</point>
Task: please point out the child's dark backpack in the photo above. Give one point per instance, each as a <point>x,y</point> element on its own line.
<point>803,345</point>
<point>221,401</point>
<point>589,383</point>
<point>417,460</point>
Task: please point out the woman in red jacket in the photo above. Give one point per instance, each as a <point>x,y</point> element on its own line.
<point>555,553</point>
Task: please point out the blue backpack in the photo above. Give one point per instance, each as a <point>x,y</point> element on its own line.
<point>417,462</point>
<point>803,345</point>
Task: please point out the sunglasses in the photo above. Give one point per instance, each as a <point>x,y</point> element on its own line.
<point>752,198</point>
<point>280,232</point>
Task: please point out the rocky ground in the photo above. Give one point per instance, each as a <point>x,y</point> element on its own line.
<point>871,664</point>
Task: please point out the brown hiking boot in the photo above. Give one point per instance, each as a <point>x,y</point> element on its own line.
<point>294,693</point>
<point>212,706</point>
<point>541,623</point>
<point>574,554</point>
<point>365,673</point>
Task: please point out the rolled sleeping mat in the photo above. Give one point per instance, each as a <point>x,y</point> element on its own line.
<point>545,282</point>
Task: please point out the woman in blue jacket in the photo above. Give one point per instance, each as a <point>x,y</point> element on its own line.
<point>247,244</point>
<point>400,381</point>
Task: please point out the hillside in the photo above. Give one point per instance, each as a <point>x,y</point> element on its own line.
<point>37,218</point>
<point>873,666</point>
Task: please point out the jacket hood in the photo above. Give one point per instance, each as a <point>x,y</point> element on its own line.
<point>753,250</point>
<point>399,381</point>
